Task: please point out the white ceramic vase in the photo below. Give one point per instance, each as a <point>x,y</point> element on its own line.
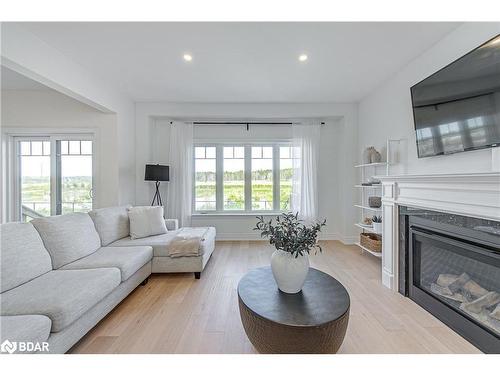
<point>377,228</point>
<point>375,156</point>
<point>289,272</point>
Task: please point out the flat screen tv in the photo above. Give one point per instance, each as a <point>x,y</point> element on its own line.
<point>458,108</point>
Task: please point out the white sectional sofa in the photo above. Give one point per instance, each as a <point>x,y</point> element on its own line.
<point>61,275</point>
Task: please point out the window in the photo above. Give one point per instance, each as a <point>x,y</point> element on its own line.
<point>205,169</point>
<point>262,178</point>
<point>234,178</point>
<point>76,176</point>
<point>34,176</point>
<point>242,177</point>
<point>54,176</point>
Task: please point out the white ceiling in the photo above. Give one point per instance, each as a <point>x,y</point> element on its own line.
<point>243,62</point>
<point>15,81</point>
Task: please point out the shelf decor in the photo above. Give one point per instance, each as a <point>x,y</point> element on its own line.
<point>371,241</point>
<point>369,188</point>
<point>377,224</point>
<point>374,202</point>
<point>375,156</point>
<point>367,155</point>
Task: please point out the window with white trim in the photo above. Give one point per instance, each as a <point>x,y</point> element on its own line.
<point>53,175</point>
<point>204,179</point>
<point>232,178</point>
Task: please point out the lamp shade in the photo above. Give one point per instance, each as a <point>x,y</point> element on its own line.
<point>156,172</point>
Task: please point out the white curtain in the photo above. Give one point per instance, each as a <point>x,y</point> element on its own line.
<point>180,189</point>
<point>306,137</point>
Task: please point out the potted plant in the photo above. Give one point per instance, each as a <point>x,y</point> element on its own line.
<point>293,241</point>
<point>377,224</point>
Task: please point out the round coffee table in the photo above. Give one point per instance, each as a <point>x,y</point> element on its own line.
<point>311,321</point>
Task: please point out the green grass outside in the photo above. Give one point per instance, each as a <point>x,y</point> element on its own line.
<point>234,191</point>
<point>75,189</point>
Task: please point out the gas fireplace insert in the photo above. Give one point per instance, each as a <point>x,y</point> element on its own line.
<point>450,265</point>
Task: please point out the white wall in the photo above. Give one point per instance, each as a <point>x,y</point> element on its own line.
<point>336,154</point>
<point>386,112</point>
<point>51,110</point>
<point>28,55</point>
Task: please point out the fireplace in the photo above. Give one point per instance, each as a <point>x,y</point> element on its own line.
<point>450,265</point>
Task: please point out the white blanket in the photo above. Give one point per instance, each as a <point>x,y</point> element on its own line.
<point>187,242</point>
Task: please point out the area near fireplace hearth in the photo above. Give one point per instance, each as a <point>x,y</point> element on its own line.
<point>442,249</point>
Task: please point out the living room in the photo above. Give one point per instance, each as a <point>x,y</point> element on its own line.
<point>205,187</point>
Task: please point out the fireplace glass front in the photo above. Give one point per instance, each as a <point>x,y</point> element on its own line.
<point>450,265</point>
<point>459,275</point>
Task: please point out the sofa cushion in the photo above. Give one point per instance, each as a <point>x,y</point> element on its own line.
<point>128,259</point>
<point>112,223</point>
<point>32,328</point>
<point>22,257</point>
<point>146,221</point>
<point>68,237</point>
<point>62,295</point>
<point>208,245</point>
<point>158,243</point>
<point>161,242</point>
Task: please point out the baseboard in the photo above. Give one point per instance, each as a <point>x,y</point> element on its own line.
<point>349,240</point>
<point>238,237</point>
<point>256,237</point>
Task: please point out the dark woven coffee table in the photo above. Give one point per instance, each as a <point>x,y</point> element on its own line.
<point>311,321</point>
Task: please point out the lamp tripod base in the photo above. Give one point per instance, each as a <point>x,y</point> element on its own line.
<point>157,197</point>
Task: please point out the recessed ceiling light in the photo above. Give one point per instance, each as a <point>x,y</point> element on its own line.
<point>187,57</point>
<point>303,57</point>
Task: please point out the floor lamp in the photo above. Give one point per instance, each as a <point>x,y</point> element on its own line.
<point>157,173</point>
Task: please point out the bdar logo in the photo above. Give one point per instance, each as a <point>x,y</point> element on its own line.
<point>8,347</point>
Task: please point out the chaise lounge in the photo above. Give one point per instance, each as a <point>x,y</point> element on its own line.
<point>61,275</point>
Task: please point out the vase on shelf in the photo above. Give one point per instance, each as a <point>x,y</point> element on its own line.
<point>375,201</point>
<point>375,156</point>
<point>377,227</point>
<point>367,155</point>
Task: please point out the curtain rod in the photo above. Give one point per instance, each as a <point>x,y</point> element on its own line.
<point>243,123</point>
<point>247,123</point>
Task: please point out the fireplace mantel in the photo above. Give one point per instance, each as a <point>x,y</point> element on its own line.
<point>471,194</point>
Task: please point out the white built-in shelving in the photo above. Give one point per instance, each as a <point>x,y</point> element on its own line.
<point>374,253</point>
<point>368,208</point>
<point>368,186</point>
<point>371,165</point>
<point>368,229</point>
<point>370,170</point>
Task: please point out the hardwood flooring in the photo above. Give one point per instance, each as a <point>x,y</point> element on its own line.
<point>177,314</point>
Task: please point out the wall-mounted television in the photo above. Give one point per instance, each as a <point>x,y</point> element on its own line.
<point>458,108</point>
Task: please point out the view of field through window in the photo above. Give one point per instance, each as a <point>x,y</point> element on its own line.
<point>35,177</point>
<point>205,168</point>
<point>233,177</point>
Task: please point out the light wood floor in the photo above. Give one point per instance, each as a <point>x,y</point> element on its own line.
<point>178,314</point>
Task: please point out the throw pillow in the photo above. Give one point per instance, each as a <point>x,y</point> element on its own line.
<point>146,221</point>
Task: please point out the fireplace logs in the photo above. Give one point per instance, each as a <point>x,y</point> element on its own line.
<point>474,300</point>
<point>488,300</point>
<point>496,313</point>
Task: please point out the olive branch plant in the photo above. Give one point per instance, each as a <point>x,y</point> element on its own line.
<point>290,234</point>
